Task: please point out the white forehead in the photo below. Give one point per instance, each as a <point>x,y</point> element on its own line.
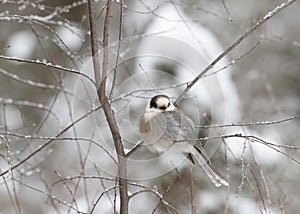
<point>162,101</point>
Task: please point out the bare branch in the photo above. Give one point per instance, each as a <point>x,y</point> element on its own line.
<point>114,82</point>
<point>156,193</point>
<point>234,61</point>
<point>27,103</point>
<point>136,147</point>
<point>54,198</point>
<point>39,149</point>
<point>269,15</point>
<point>48,64</point>
<point>165,192</point>
<point>104,100</point>
<point>264,123</point>
<point>94,43</point>
<point>227,11</point>
<point>192,191</point>
<point>27,137</point>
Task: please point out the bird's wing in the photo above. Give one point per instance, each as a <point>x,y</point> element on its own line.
<point>179,127</point>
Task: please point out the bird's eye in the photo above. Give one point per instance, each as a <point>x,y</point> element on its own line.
<point>153,104</point>
<point>169,104</point>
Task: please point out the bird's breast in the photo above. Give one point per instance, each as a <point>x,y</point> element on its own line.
<point>152,129</point>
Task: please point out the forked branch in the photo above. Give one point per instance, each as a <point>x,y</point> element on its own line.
<point>104,100</point>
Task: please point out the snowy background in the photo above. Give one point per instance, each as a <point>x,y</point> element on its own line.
<point>246,107</point>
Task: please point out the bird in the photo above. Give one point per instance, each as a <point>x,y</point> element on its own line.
<point>163,126</point>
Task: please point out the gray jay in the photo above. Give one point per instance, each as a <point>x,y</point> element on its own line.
<point>163,125</point>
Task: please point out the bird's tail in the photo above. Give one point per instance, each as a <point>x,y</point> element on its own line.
<point>214,177</point>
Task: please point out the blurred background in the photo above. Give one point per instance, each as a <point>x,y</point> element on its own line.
<point>155,47</point>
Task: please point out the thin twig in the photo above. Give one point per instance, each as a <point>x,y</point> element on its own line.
<point>54,198</point>
<point>68,188</point>
<point>157,194</point>
<point>264,182</point>
<point>56,138</point>
<point>192,191</point>
<point>100,196</point>
<point>227,11</point>
<point>269,15</point>
<point>164,194</point>
<point>13,195</point>
<point>136,147</point>
<point>39,149</point>
<point>49,142</point>
<point>258,187</point>
<point>252,138</point>
<point>94,43</point>
<point>252,190</point>
<point>234,61</point>
<point>114,82</point>
<point>47,64</point>
<point>263,123</point>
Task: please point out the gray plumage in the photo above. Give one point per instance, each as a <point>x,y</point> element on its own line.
<point>163,126</point>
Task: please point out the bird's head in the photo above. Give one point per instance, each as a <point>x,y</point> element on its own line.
<point>160,103</point>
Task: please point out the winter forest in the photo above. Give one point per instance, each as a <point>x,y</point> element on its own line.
<point>76,76</point>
